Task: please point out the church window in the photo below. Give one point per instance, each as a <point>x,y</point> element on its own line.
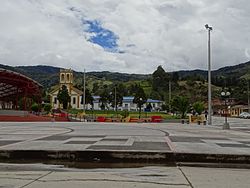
<point>62,77</point>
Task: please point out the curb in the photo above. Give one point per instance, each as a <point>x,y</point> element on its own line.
<point>119,157</point>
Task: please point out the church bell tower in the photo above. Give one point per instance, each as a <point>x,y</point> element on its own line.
<point>66,78</point>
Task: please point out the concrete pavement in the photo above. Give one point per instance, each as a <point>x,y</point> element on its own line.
<point>124,155</point>
<point>138,142</point>
<point>38,175</point>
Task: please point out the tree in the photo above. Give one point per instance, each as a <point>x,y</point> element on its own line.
<point>104,98</point>
<point>47,108</point>
<point>181,105</point>
<point>88,97</point>
<point>140,98</point>
<point>198,107</point>
<point>175,77</point>
<point>95,88</point>
<point>160,79</point>
<point>35,107</point>
<point>63,97</point>
<point>117,94</point>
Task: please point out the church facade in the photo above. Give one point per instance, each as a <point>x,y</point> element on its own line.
<point>66,78</point>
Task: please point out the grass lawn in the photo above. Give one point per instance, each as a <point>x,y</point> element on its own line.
<point>111,113</point>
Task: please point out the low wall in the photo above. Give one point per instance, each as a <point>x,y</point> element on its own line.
<point>13,113</point>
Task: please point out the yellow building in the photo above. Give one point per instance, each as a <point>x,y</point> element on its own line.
<point>66,78</point>
<point>236,110</point>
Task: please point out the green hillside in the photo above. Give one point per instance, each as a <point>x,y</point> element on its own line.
<point>191,84</point>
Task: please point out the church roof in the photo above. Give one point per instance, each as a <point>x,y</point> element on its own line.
<point>73,88</point>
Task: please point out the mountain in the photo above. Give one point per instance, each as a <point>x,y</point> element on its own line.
<point>48,75</point>
<point>239,71</point>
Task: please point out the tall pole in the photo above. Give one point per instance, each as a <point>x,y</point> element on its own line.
<point>226,111</point>
<point>169,97</point>
<point>209,76</point>
<point>84,91</point>
<point>115,102</point>
<point>248,100</point>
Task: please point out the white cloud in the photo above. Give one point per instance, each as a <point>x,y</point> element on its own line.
<point>151,32</point>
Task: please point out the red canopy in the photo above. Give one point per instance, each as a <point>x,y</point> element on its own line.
<point>13,85</point>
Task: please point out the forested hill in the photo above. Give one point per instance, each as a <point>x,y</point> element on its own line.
<point>240,71</point>
<point>48,75</point>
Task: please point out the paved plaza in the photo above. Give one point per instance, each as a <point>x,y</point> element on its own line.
<point>30,147</point>
<point>144,138</point>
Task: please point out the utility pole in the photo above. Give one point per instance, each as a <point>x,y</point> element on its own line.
<point>115,102</point>
<point>169,97</point>
<point>84,91</point>
<point>248,100</point>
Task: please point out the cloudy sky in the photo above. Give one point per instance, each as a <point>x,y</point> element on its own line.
<point>133,36</point>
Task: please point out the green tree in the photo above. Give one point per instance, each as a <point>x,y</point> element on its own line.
<point>63,97</point>
<point>95,88</point>
<point>140,98</point>
<point>35,107</point>
<point>160,79</point>
<point>88,97</point>
<point>117,93</point>
<point>175,77</point>
<point>104,98</point>
<point>181,105</point>
<point>47,108</point>
<point>198,107</point>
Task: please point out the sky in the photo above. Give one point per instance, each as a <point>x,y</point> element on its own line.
<point>131,36</point>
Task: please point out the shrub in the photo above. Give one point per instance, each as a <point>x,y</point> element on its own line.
<point>35,107</point>
<point>47,108</point>
<point>198,107</point>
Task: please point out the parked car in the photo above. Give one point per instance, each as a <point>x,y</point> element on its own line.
<point>245,115</point>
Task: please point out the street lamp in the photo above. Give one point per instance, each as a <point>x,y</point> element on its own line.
<point>115,102</point>
<point>225,95</point>
<point>140,104</point>
<point>209,29</point>
<point>113,94</point>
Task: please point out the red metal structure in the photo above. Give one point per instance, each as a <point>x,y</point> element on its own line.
<point>14,86</point>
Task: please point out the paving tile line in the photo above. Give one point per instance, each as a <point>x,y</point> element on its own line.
<point>37,179</point>
<point>69,130</point>
<point>113,180</point>
<point>189,182</point>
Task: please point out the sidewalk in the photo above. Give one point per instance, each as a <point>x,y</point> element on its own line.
<point>120,142</point>
<point>40,176</point>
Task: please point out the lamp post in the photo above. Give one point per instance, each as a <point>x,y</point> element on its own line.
<point>140,104</point>
<point>115,102</point>
<point>225,95</point>
<point>84,91</point>
<point>209,29</point>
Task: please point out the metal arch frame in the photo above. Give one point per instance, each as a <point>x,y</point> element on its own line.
<point>14,85</point>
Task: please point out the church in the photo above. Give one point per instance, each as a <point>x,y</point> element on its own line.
<point>76,96</point>
<point>66,78</point>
